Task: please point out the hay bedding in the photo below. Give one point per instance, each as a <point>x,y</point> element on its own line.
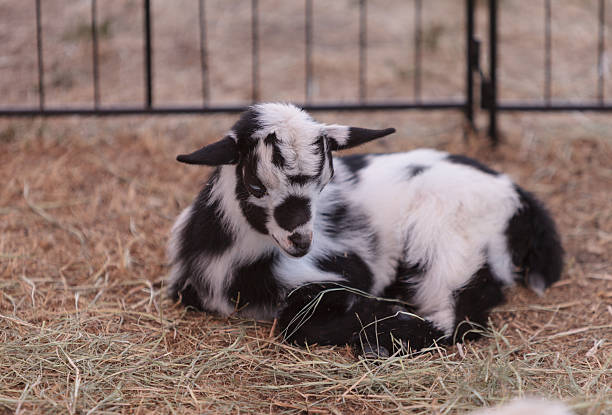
<point>85,208</point>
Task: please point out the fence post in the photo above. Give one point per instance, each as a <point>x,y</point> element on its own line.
<point>148,54</point>
<point>471,63</point>
<point>492,93</point>
<point>39,48</point>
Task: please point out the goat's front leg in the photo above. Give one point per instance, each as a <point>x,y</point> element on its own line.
<point>329,314</point>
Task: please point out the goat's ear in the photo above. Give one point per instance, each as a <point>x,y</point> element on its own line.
<point>224,151</point>
<point>341,137</point>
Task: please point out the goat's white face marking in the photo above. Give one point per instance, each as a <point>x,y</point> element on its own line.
<point>284,167</point>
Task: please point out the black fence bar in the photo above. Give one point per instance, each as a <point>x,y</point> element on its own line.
<point>600,51</point>
<point>148,55</point>
<point>553,106</point>
<point>308,51</point>
<point>94,51</point>
<point>254,50</point>
<point>493,71</point>
<point>39,48</point>
<point>471,62</point>
<point>547,51</point>
<point>203,53</point>
<point>363,40</point>
<point>418,6</point>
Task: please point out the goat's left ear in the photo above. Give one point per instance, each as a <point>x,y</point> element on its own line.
<point>341,136</point>
<point>224,151</point>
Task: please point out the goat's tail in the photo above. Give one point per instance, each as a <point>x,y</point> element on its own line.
<point>534,243</point>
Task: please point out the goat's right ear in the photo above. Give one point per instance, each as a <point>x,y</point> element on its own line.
<point>342,137</point>
<point>224,151</point>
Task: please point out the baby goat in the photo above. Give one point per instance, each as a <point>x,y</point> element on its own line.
<point>381,251</point>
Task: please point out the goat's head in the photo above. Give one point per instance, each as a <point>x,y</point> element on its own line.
<point>283,161</point>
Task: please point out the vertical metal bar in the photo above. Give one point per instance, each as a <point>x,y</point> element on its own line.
<point>94,39</point>
<point>204,54</point>
<point>600,52</point>
<point>148,55</point>
<point>469,43</point>
<point>493,71</point>
<point>547,51</point>
<point>254,51</point>
<point>363,39</point>
<point>39,46</point>
<point>418,6</point>
<point>308,58</point>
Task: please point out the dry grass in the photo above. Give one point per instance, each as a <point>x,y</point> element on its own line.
<point>86,206</point>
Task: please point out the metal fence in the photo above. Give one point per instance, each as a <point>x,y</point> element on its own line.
<point>487,95</point>
<point>494,105</point>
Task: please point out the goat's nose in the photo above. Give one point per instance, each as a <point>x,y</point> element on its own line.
<point>301,240</point>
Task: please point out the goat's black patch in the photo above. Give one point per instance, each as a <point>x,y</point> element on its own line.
<point>301,179</point>
<point>205,231</point>
<point>330,161</point>
<point>246,126</point>
<point>189,297</point>
<point>355,162</point>
<point>404,286</point>
<point>255,215</point>
<point>189,286</point>
<point>254,285</point>
<point>350,266</point>
<point>473,304</point>
<point>293,212</point>
<point>277,156</point>
<point>415,170</point>
<point>320,150</point>
<point>337,220</point>
<point>327,314</point>
<point>330,322</point>
<point>534,241</point>
<point>342,219</point>
<point>467,161</point>
<point>271,139</point>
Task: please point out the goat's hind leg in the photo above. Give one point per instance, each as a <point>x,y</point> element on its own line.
<point>473,304</point>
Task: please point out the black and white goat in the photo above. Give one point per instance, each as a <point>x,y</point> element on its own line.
<point>283,229</point>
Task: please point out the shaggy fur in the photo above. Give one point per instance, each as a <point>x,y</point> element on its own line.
<point>284,230</point>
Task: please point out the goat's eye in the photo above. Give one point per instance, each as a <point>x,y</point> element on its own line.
<point>257,190</point>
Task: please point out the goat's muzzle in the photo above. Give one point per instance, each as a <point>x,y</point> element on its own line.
<point>300,242</point>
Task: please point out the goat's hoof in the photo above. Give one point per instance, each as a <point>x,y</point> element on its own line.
<point>375,352</point>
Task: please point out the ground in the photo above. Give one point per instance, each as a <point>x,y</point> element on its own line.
<point>86,206</point>
<point>86,209</point>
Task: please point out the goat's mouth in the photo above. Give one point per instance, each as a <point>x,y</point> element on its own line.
<point>297,254</point>
<point>293,249</point>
